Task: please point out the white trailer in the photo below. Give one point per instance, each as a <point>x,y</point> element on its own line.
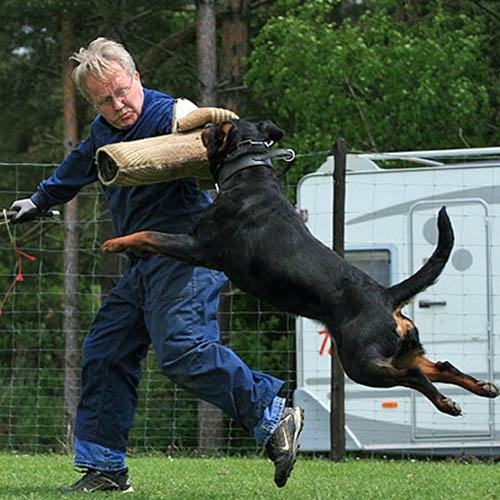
<point>392,202</point>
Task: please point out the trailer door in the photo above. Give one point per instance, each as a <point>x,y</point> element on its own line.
<point>454,315</point>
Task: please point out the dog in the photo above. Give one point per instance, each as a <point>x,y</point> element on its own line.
<point>253,234</point>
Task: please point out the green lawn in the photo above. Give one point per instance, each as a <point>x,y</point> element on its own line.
<point>38,477</point>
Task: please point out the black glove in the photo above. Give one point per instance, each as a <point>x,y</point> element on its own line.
<point>26,211</point>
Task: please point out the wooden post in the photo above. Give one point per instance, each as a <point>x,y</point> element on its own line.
<point>337,392</point>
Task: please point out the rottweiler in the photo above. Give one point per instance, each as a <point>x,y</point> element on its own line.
<point>253,234</point>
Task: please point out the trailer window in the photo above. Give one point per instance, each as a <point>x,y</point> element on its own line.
<point>374,262</point>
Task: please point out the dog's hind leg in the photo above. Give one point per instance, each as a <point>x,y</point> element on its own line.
<point>444,371</point>
<point>413,377</point>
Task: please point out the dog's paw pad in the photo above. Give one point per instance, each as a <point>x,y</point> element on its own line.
<point>489,387</point>
<point>452,408</point>
<point>111,246</point>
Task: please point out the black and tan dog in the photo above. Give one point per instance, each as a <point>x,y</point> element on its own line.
<point>253,234</point>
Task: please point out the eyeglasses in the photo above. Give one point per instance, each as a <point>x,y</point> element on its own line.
<point>118,94</point>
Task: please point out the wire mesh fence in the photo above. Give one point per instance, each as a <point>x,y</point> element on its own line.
<point>380,239</point>
<point>32,338</point>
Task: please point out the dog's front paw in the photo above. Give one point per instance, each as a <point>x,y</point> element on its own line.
<point>489,387</point>
<point>114,245</point>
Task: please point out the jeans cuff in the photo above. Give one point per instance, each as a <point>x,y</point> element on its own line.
<point>266,426</point>
<point>95,456</point>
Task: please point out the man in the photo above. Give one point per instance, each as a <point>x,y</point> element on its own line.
<point>158,300</point>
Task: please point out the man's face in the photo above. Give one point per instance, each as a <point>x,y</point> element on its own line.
<point>118,98</point>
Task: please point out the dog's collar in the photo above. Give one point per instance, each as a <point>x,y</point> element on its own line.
<point>229,168</point>
<point>248,147</point>
<point>260,157</point>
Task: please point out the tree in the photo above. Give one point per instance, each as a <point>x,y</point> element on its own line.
<point>235,46</point>
<point>71,240</point>
<point>210,421</point>
<point>382,82</point>
<point>385,74</point>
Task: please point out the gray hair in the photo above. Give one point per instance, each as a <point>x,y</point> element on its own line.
<point>95,61</point>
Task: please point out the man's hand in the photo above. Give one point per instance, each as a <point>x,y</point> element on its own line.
<point>26,210</point>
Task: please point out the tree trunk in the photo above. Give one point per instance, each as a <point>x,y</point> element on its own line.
<point>210,418</point>
<point>71,240</point>
<point>207,52</point>
<point>234,50</point>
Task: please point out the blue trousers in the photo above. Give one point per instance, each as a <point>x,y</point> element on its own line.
<point>173,306</point>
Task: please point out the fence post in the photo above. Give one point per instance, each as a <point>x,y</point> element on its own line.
<point>337,391</point>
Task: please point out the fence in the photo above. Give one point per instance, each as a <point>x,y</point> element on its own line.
<point>32,340</point>
<point>382,206</point>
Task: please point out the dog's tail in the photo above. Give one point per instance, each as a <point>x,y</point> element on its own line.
<point>402,292</point>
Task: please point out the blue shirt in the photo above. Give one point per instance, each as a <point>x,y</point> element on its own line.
<point>173,206</point>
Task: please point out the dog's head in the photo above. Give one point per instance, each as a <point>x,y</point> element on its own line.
<point>223,139</point>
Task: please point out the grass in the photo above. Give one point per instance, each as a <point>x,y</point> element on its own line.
<point>38,477</point>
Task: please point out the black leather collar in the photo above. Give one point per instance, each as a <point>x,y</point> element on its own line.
<point>229,168</point>
<point>251,154</point>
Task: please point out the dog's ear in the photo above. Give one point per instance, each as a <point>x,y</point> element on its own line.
<point>221,135</point>
<point>205,136</point>
<point>268,128</point>
<point>216,135</point>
